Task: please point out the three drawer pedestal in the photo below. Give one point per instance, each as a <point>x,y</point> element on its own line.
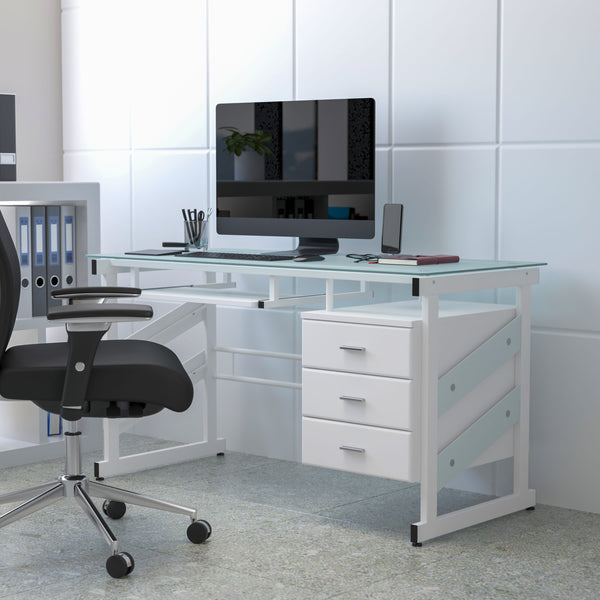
<point>361,387</point>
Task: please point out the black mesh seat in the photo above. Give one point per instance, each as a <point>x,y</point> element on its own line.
<point>145,375</point>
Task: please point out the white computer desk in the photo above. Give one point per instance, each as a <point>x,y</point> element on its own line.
<point>436,390</point>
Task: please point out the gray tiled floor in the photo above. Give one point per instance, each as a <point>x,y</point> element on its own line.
<point>288,531</point>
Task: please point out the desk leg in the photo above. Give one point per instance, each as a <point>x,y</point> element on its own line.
<point>429,410</point>
<point>523,378</point>
<point>431,525</point>
<point>209,417</point>
<point>329,294</point>
<point>165,328</point>
<point>110,427</point>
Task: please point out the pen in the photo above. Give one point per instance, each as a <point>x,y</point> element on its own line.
<point>187,226</point>
<point>195,222</point>
<point>192,214</point>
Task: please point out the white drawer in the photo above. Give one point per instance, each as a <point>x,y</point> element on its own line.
<point>355,348</point>
<point>363,399</point>
<point>360,449</point>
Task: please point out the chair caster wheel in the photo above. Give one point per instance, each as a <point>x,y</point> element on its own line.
<point>199,531</point>
<point>119,565</point>
<point>114,509</point>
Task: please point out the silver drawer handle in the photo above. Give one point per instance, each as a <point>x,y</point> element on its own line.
<point>353,348</point>
<point>353,449</point>
<point>353,399</point>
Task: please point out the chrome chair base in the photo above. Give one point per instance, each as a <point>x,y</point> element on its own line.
<point>78,486</point>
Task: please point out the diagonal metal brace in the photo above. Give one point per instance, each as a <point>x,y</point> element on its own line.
<point>470,444</point>
<point>167,327</point>
<point>479,365</point>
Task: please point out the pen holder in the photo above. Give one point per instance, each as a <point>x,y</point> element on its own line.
<point>195,234</point>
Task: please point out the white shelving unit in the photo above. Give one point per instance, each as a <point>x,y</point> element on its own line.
<point>23,431</point>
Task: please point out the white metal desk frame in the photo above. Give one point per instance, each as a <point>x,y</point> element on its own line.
<point>428,283</point>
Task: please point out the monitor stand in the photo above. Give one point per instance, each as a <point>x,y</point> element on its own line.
<point>311,246</point>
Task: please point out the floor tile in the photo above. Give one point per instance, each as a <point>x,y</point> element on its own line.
<point>182,579</point>
<point>300,487</point>
<point>322,554</point>
<point>284,530</point>
<point>394,511</point>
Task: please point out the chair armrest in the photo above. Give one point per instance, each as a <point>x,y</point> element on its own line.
<point>95,293</point>
<point>99,313</point>
<point>86,325</point>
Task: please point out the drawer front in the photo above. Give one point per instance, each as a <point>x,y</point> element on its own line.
<point>360,449</point>
<point>363,399</point>
<point>355,348</point>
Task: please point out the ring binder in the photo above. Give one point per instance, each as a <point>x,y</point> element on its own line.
<point>53,275</point>
<point>38,267</point>
<point>67,246</point>
<point>23,243</point>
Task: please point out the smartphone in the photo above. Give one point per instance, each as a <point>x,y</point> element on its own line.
<point>391,231</point>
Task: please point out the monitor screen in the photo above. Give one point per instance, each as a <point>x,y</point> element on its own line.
<point>303,168</point>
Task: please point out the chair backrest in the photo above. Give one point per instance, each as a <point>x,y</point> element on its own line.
<point>10,285</point>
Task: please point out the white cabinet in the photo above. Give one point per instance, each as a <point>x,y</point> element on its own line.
<point>361,387</point>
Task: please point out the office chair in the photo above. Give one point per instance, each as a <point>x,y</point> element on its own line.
<point>88,377</point>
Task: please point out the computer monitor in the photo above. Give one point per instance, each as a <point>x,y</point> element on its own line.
<point>302,168</point>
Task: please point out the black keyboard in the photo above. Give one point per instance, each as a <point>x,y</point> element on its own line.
<point>237,256</point>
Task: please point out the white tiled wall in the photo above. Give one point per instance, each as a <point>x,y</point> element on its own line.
<point>344,52</point>
<point>165,181</point>
<point>444,71</point>
<point>549,211</point>
<point>169,75</point>
<point>488,130</point>
<point>250,50</point>
<point>551,70</point>
<point>96,73</point>
<point>449,199</point>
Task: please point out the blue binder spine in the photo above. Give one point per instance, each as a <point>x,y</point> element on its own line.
<point>23,243</point>
<point>52,253</point>
<point>38,267</point>
<point>67,246</point>
<point>54,425</point>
